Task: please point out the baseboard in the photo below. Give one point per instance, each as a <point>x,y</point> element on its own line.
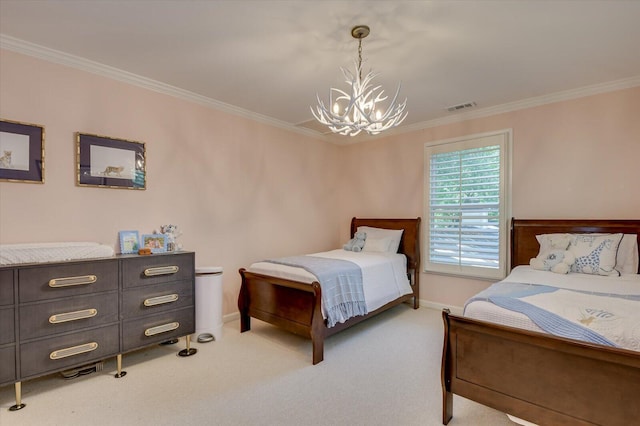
<point>456,310</point>
<point>231,317</point>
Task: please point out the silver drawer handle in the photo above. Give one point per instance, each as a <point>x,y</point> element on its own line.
<point>161,329</point>
<point>153,301</point>
<point>73,316</point>
<point>75,350</point>
<point>69,281</point>
<point>161,270</point>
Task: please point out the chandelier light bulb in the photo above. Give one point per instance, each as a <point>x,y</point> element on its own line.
<point>361,101</point>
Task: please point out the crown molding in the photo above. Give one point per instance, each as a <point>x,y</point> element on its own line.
<point>83,64</point>
<point>56,56</point>
<point>565,95</point>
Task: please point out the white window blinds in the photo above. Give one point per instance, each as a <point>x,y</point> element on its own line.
<point>466,200</point>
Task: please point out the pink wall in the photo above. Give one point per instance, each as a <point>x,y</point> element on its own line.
<point>241,190</point>
<point>571,159</point>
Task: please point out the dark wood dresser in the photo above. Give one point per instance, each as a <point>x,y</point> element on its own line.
<point>57,316</point>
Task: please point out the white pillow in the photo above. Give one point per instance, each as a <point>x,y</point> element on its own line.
<point>595,254</point>
<point>377,244</point>
<point>376,233</point>
<point>627,259</point>
<point>549,242</point>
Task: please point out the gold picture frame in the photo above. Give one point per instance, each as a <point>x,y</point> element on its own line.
<point>107,162</point>
<point>21,152</point>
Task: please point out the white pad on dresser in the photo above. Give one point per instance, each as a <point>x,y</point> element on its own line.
<point>11,254</point>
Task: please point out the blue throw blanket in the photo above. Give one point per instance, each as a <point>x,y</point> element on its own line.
<point>508,295</point>
<point>341,282</point>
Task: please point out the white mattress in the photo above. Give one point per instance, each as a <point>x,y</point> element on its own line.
<point>52,252</point>
<point>384,275</point>
<point>627,284</point>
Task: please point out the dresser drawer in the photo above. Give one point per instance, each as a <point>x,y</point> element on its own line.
<point>157,298</point>
<point>7,328</point>
<point>158,268</point>
<point>57,353</point>
<point>6,287</point>
<point>67,279</point>
<point>7,365</point>
<point>157,328</point>
<point>46,319</point>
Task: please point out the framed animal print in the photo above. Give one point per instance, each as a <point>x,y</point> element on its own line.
<point>107,162</point>
<point>21,152</point>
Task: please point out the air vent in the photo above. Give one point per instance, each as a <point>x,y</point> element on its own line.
<point>461,106</point>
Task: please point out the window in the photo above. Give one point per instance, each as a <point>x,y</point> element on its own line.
<point>467,205</point>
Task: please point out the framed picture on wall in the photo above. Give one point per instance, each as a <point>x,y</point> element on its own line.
<point>21,152</point>
<point>129,242</point>
<point>110,163</point>
<point>156,242</point>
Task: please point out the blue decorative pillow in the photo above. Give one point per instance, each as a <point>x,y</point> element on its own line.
<point>595,254</point>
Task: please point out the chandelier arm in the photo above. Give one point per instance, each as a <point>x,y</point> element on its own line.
<point>369,77</point>
<point>327,117</point>
<point>319,116</point>
<point>394,109</point>
<point>374,97</point>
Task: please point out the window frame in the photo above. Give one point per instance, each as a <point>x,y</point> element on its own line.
<point>504,139</point>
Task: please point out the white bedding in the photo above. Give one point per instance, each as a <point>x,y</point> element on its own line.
<point>384,275</point>
<point>627,284</point>
<point>52,252</point>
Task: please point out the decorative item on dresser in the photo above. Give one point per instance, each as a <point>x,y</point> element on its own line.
<point>129,242</point>
<point>540,377</point>
<point>296,305</point>
<point>172,232</point>
<point>59,315</point>
<point>156,242</point>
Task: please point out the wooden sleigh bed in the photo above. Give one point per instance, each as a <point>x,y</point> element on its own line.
<point>296,306</point>
<point>534,376</point>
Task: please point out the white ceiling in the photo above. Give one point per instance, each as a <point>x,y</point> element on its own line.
<point>270,58</point>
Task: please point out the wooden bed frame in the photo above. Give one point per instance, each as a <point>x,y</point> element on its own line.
<point>537,377</point>
<point>296,306</point>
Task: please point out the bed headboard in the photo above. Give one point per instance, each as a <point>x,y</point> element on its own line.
<point>410,242</point>
<point>524,245</point>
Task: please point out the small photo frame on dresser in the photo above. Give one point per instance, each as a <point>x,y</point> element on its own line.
<point>21,152</point>
<point>129,242</point>
<point>156,242</point>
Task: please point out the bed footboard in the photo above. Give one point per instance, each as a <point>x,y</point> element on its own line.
<point>537,377</point>
<point>290,305</point>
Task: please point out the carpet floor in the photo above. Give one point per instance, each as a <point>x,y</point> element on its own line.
<point>384,371</point>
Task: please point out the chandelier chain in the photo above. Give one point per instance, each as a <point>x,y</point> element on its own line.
<point>360,57</point>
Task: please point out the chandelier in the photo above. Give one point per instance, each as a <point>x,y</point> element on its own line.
<point>357,109</point>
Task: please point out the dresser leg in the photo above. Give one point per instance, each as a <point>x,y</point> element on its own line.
<point>189,351</point>
<point>19,405</point>
<point>120,373</point>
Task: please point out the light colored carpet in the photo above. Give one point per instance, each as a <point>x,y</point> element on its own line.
<point>385,371</point>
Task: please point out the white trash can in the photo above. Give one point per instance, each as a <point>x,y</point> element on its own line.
<point>208,304</point>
